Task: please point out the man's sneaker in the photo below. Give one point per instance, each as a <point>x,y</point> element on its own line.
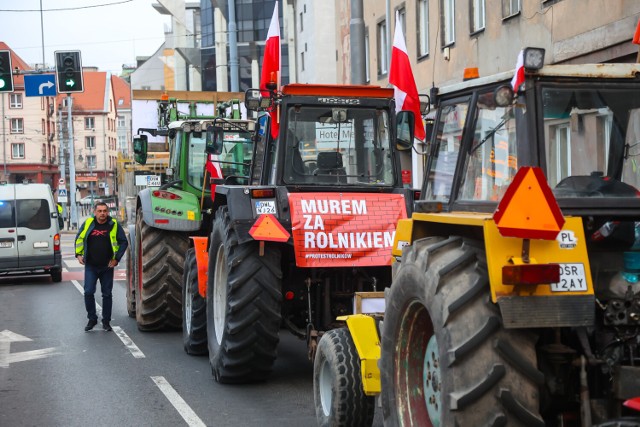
<point>106,326</point>
<point>90,324</point>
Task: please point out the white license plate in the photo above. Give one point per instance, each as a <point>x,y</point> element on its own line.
<point>266,207</point>
<point>6,244</point>
<point>40,244</point>
<point>572,279</point>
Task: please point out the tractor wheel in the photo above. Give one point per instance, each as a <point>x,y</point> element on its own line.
<point>244,299</point>
<point>446,357</point>
<point>131,283</point>
<point>160,261</point>
<point>337,383</point>
<point>194,309</point>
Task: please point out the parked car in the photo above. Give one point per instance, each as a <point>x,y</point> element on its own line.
<point>29,230</point>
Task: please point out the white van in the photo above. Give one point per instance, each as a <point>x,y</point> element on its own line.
<point>29,230</point>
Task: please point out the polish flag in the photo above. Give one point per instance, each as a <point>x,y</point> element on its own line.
<point>518,77</point>
<point>404,85</point>
<point>213,167</point>
<point>636,36</point>
<point>271,64</point>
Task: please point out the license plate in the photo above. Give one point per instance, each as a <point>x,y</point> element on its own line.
<point>40,244</point>
<point>266,207</point>
<point>572,279</point>
<point>6,244</point>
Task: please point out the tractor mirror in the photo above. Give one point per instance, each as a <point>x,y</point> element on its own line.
<point>215,140</point>
<point>140,149</point>
<point>404,130</point>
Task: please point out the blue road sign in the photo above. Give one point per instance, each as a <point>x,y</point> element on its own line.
<point>40,84</point>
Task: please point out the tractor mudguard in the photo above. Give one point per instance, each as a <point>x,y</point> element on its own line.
<point>202,262</point>
<point>189,219</point>
<point>365,336</point>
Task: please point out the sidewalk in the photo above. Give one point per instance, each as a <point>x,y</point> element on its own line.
<point>69,230</point>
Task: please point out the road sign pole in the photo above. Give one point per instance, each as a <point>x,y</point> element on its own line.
<point>72,165</point>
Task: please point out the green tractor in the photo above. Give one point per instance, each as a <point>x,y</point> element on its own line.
<point>179,208</point>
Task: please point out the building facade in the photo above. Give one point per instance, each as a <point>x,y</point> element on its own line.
<point>29,147</point>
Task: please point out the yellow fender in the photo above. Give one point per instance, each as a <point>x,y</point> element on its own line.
<point>365,336</point>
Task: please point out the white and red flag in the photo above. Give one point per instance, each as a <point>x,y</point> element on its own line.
<point>518,76</point>
<point>271,64</point>
<point>404,85</point>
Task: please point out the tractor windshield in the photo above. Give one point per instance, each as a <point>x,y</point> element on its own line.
<point>338,145</point>
<point>196,159</point>
<point>592,140</point>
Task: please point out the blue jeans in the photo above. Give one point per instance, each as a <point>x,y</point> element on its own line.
<point>91,276</point>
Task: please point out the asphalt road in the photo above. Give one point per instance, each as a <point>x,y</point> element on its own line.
<point>52,373</point>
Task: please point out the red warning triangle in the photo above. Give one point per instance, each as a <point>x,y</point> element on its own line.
<point>267,227</point>
<point>528,209</point>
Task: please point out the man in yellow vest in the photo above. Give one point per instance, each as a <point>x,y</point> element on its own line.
<point>100,244</point>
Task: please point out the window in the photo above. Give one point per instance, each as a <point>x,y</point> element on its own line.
<point>44,128</point>
<point>17,126</point>
<point>449,134</point>
<point>559,152</point>
<point>121,123</point>
<point>33,214</point>
<point>477,15</point>
<point>301,23</point>
<point>122,142</point>
<point>15,100</point>
<point>423,27</point>
<point>382,48</point>
<point>89,123</point>
<point>90,142</point>
<point>302,61</point>
<point>403,21</point>
<point>448,22</point>
<point>17,151</point>
<point>367,57</point>
<point>510,7</point>
<point>91,161</point>
<point>492,161</point>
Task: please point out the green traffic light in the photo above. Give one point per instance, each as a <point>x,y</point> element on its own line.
<point>70,82</point>
<point>2,83</point>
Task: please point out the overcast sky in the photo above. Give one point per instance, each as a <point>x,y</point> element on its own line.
<point>108,36</point>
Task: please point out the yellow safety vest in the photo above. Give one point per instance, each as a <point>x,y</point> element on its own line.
<point>112,236</point>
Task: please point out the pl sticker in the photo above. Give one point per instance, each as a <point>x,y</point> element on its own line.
<point>567,239</point>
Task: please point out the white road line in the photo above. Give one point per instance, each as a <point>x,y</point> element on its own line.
<point>128,342</point>
<point>178,402</point>
<point>135,351</point>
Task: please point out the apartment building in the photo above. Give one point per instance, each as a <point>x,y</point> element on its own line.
<point>29,147</point>
<point>95,135</point>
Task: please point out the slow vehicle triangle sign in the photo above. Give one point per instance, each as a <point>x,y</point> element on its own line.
<point>528,209</point>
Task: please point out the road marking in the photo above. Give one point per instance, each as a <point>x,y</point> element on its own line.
<point>128,342</point>
<point>135,351</point>
<point>178,402</point>
<point>7,358</point>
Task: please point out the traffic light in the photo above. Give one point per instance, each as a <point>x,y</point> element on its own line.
<point>69,72</point>
<point>6,75</point>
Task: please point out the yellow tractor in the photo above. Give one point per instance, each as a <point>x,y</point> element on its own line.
<point>515,298</point>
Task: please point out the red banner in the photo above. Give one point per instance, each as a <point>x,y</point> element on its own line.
<point>344,229</point>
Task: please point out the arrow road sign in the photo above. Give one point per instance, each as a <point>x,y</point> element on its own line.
<point>7,358</point>
<point>40,84</point>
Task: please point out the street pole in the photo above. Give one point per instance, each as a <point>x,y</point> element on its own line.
<point>4,141</point>
<point>72,166</point>
<point>63,169</point>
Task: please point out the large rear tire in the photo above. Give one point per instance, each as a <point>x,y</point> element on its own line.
<point>244,299</point>
<point>131,282</point>
<point>337,383</point>
<point>446,357</point>
<point>160,262</point>
<point>194,309</point>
